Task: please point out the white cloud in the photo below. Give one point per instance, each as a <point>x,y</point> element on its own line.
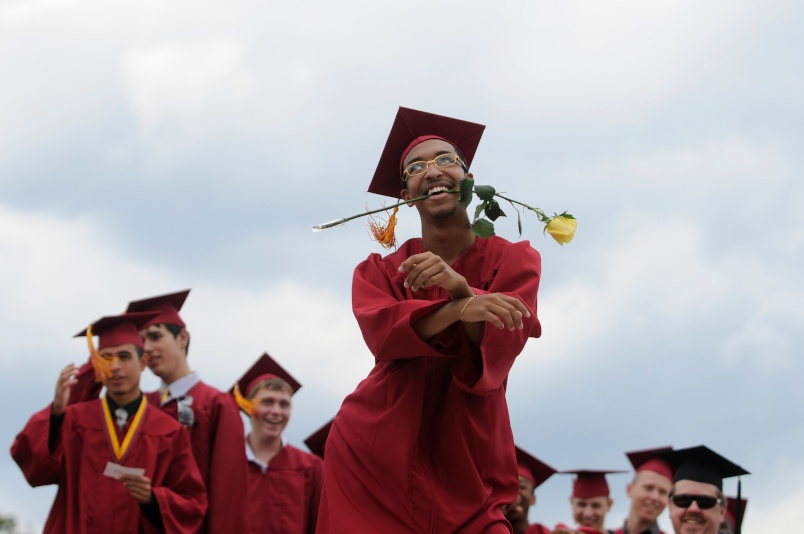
<point>657,274</point>
<point>766,341</point>
<point>594,62</point>
<point>192,86</point>
<point>710,165</point>
<point>56,276</point>
<point>22,11</point>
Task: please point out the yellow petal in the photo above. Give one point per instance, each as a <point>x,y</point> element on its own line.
<point>562,229</point>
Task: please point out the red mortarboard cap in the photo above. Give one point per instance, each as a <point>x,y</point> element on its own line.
<point>701,464</point>
<point>166,306</point>
<point>532,468</point>
<point>649,460</point>
<point>590,483</point>
<point>731,511</point>
<point>410,125</point>
<point>263,369</point>
<point>318,439</point>
<point>115,330</point>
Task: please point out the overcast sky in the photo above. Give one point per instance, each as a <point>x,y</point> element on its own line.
<point>153,146</point>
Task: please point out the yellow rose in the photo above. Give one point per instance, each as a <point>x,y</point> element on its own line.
<point>562,229</point>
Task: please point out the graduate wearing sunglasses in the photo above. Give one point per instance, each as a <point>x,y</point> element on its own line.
<point>697,503</point>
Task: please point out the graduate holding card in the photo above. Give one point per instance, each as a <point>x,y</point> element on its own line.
<point>121,466</point>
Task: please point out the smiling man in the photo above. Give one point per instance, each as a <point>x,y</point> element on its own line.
<point>424,444</point>
<point>649,491</point>
<point>590,502</point>
<point>532,473</point>
<point>120,465</point>
<point>284,482</point>
<point>697,503</point>
<point>210,416</point>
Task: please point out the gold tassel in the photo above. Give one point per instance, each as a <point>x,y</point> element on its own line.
<point>383,232</point>
<point>247,405</point>
<point>101,366</point>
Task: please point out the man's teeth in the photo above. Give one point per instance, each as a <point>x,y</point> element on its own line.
<point>436,190</point>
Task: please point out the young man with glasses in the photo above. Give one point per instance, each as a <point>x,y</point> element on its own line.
<point>649,491</point>
<point>120,465</point>
<point>210,415</point>
<point>697,504</point>
<point>424,444</point>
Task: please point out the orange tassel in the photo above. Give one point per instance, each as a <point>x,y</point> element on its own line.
<point>247,405</point>
<point>101,366</point>
<point>383,231</point>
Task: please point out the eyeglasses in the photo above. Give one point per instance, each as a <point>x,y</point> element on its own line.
<point>704,501</point>
<point>442,161</point>
<point>186,416</point>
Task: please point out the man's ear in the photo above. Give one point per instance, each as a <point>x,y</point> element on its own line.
<point>405,194</point>
<point>184,338</point>
<point>533,499</point>
<point>611,502</point>
<point>143,362</point>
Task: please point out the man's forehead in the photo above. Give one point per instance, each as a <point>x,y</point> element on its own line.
<point>428,147</point>
<point>652,477</point>
<point>699,488</point>
<point>128,348</point>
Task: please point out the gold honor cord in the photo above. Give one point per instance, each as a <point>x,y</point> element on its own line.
<point>120,451</point>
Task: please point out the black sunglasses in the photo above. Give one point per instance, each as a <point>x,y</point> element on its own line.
<point>704,501</point>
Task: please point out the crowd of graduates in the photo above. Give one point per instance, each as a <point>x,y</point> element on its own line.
<point>423,444</point>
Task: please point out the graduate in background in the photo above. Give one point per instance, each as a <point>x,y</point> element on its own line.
<point>697,503</point>
<point>121,466</point>
<point>532,473</point>
<point>424,444</point>
<point>590,502</point>
<point>649,491</point>
<point>210,415</point>
<point>734,517</point>
<point>284,482</point>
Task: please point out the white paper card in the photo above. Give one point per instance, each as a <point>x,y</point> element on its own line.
<point>116,470</point>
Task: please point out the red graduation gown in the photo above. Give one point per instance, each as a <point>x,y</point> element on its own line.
<point>286,497</point>
<point>218,444</point>
<point>87,501</point>
<point>424,443</point>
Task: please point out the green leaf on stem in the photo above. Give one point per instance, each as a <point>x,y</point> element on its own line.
<point>493,210</point>
<point>466,186</point>
<point>479,209</point>
<point>486,192</point>
<point>483,228</point>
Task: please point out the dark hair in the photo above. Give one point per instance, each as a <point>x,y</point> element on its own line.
<point>176,329</point>
<point>140,351</point>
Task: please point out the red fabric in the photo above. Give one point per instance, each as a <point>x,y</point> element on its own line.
<point>424,443</point>
<point>657,465</point>
<point>87,501</point>
<point>218,444</point>
<point>286,497</point>
<point>415,142</point>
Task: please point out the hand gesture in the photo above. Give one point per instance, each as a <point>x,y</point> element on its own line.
<point>63,387</point>
<point>139,487</point>
<point>427,270</point>
<point>496,308</point>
